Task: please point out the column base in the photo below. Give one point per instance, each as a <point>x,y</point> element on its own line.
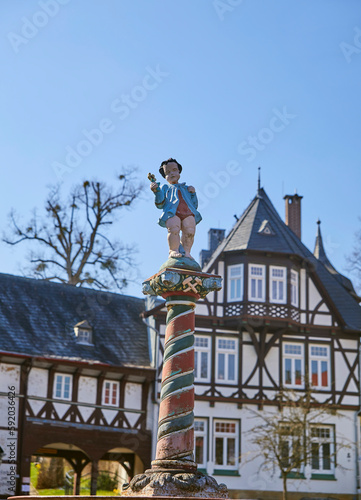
<point>174,483</point>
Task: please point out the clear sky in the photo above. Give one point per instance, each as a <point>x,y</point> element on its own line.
<point>223,86</point>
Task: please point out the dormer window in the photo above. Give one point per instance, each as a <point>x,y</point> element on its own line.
<point>84,333</point>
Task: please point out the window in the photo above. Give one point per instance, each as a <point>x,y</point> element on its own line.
<point>202,351</point>
<point>83,332</point>
<point>235,283</point>
<point>320,366</point>
<point>277,287</point>
<point>293,363</point>
<point>200,442</point>
<point>62,386</point>
<point>226,360</point>
<point>291,447</point>
<point>110,393</point>
<point>256,283</point>
<point>294,288</point>
<point>226,444</point>
<point>84,336</point>
<point>322,450</point>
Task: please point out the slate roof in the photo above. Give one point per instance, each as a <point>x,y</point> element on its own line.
<point>249,234</point>
<point>37,318</point>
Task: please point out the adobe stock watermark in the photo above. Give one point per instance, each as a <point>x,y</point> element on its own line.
<point>223,7</point>
<point>349,49</point>
<point>254,143</point>
<point>33,24</point>
<point>220,180</point>
<point>121,108</point>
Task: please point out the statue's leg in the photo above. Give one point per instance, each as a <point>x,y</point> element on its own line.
<point>174,226</point>
<point>188,232</point>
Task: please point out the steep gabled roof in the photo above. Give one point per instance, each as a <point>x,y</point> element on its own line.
<point>320,254</point>
<point>37,318</point>
<point>249,234</point>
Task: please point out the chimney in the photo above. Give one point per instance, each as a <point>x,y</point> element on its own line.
<point>293,213</point>
<point>215,236</point>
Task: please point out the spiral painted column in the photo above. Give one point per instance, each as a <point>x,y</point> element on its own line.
<point>175,426</point>
<point>181,288</point>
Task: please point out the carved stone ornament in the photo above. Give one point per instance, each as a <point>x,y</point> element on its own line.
<point>175,483</point>
<point>182,280</point>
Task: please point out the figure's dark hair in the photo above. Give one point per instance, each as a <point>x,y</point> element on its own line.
<point>161,170</point>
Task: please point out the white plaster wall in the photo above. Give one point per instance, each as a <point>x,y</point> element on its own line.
<point>323,308</point>
<point>37,386</point>
<point>61,408</point>
<point>202,310</point>
<point>9,375</point>
<point>132,399</point>
<point>248,361</point>
<point>200,389</point>
<point>87,393</point>
<point>38,382</point>
<point>313,295</point>
<point>322,319</point>
<point>272,363</point>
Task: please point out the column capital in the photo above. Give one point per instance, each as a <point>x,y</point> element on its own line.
<point>172,280</point>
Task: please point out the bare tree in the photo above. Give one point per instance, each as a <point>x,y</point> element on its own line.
<point>354,259</point>
<point>291,438</point>
<point>71,240</point>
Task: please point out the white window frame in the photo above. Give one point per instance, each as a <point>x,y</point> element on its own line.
<point>279,280</point>
<point>294,279</point>
<point>319,358</point>
<point>295,359</point>
<point>63,386</point>
<point>260,282</point>
<point>225,436</point>
<point>321,441</point>
<point>291,438</point>
<point>227,352</point>
<point>84,336</point>
<point>112,384</point>
<point>235,279</point>
<point>202,352</point>
<point>201,433</point>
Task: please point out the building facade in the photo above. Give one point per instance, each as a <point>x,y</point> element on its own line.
<point>285,319</point>
<point>75,379</point>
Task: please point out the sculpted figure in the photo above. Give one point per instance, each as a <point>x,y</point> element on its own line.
<point>178,203</point>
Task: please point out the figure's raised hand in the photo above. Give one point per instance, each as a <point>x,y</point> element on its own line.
<point>191,189</point>
<point>154,187</point>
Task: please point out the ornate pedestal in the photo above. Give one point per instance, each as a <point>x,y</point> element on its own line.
<point>174,472</point>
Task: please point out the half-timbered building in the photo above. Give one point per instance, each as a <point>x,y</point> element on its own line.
<point>75,375</point>
<point>285,318</point>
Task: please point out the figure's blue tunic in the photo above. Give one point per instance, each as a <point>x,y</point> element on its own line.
<point>167,199</point>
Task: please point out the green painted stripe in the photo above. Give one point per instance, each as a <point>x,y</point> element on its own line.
<point>173,298</point>
<point>178,345</point>
<point>178,424</point>
<point>178,383</point>
<point>176,310</point>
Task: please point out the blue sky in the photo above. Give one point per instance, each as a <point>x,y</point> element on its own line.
<point>223,86</point>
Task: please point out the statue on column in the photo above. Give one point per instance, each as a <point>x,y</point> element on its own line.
<point>181,282</point>
<point>179,204</point>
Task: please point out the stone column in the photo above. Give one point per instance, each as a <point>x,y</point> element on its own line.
<point>174,471</point>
